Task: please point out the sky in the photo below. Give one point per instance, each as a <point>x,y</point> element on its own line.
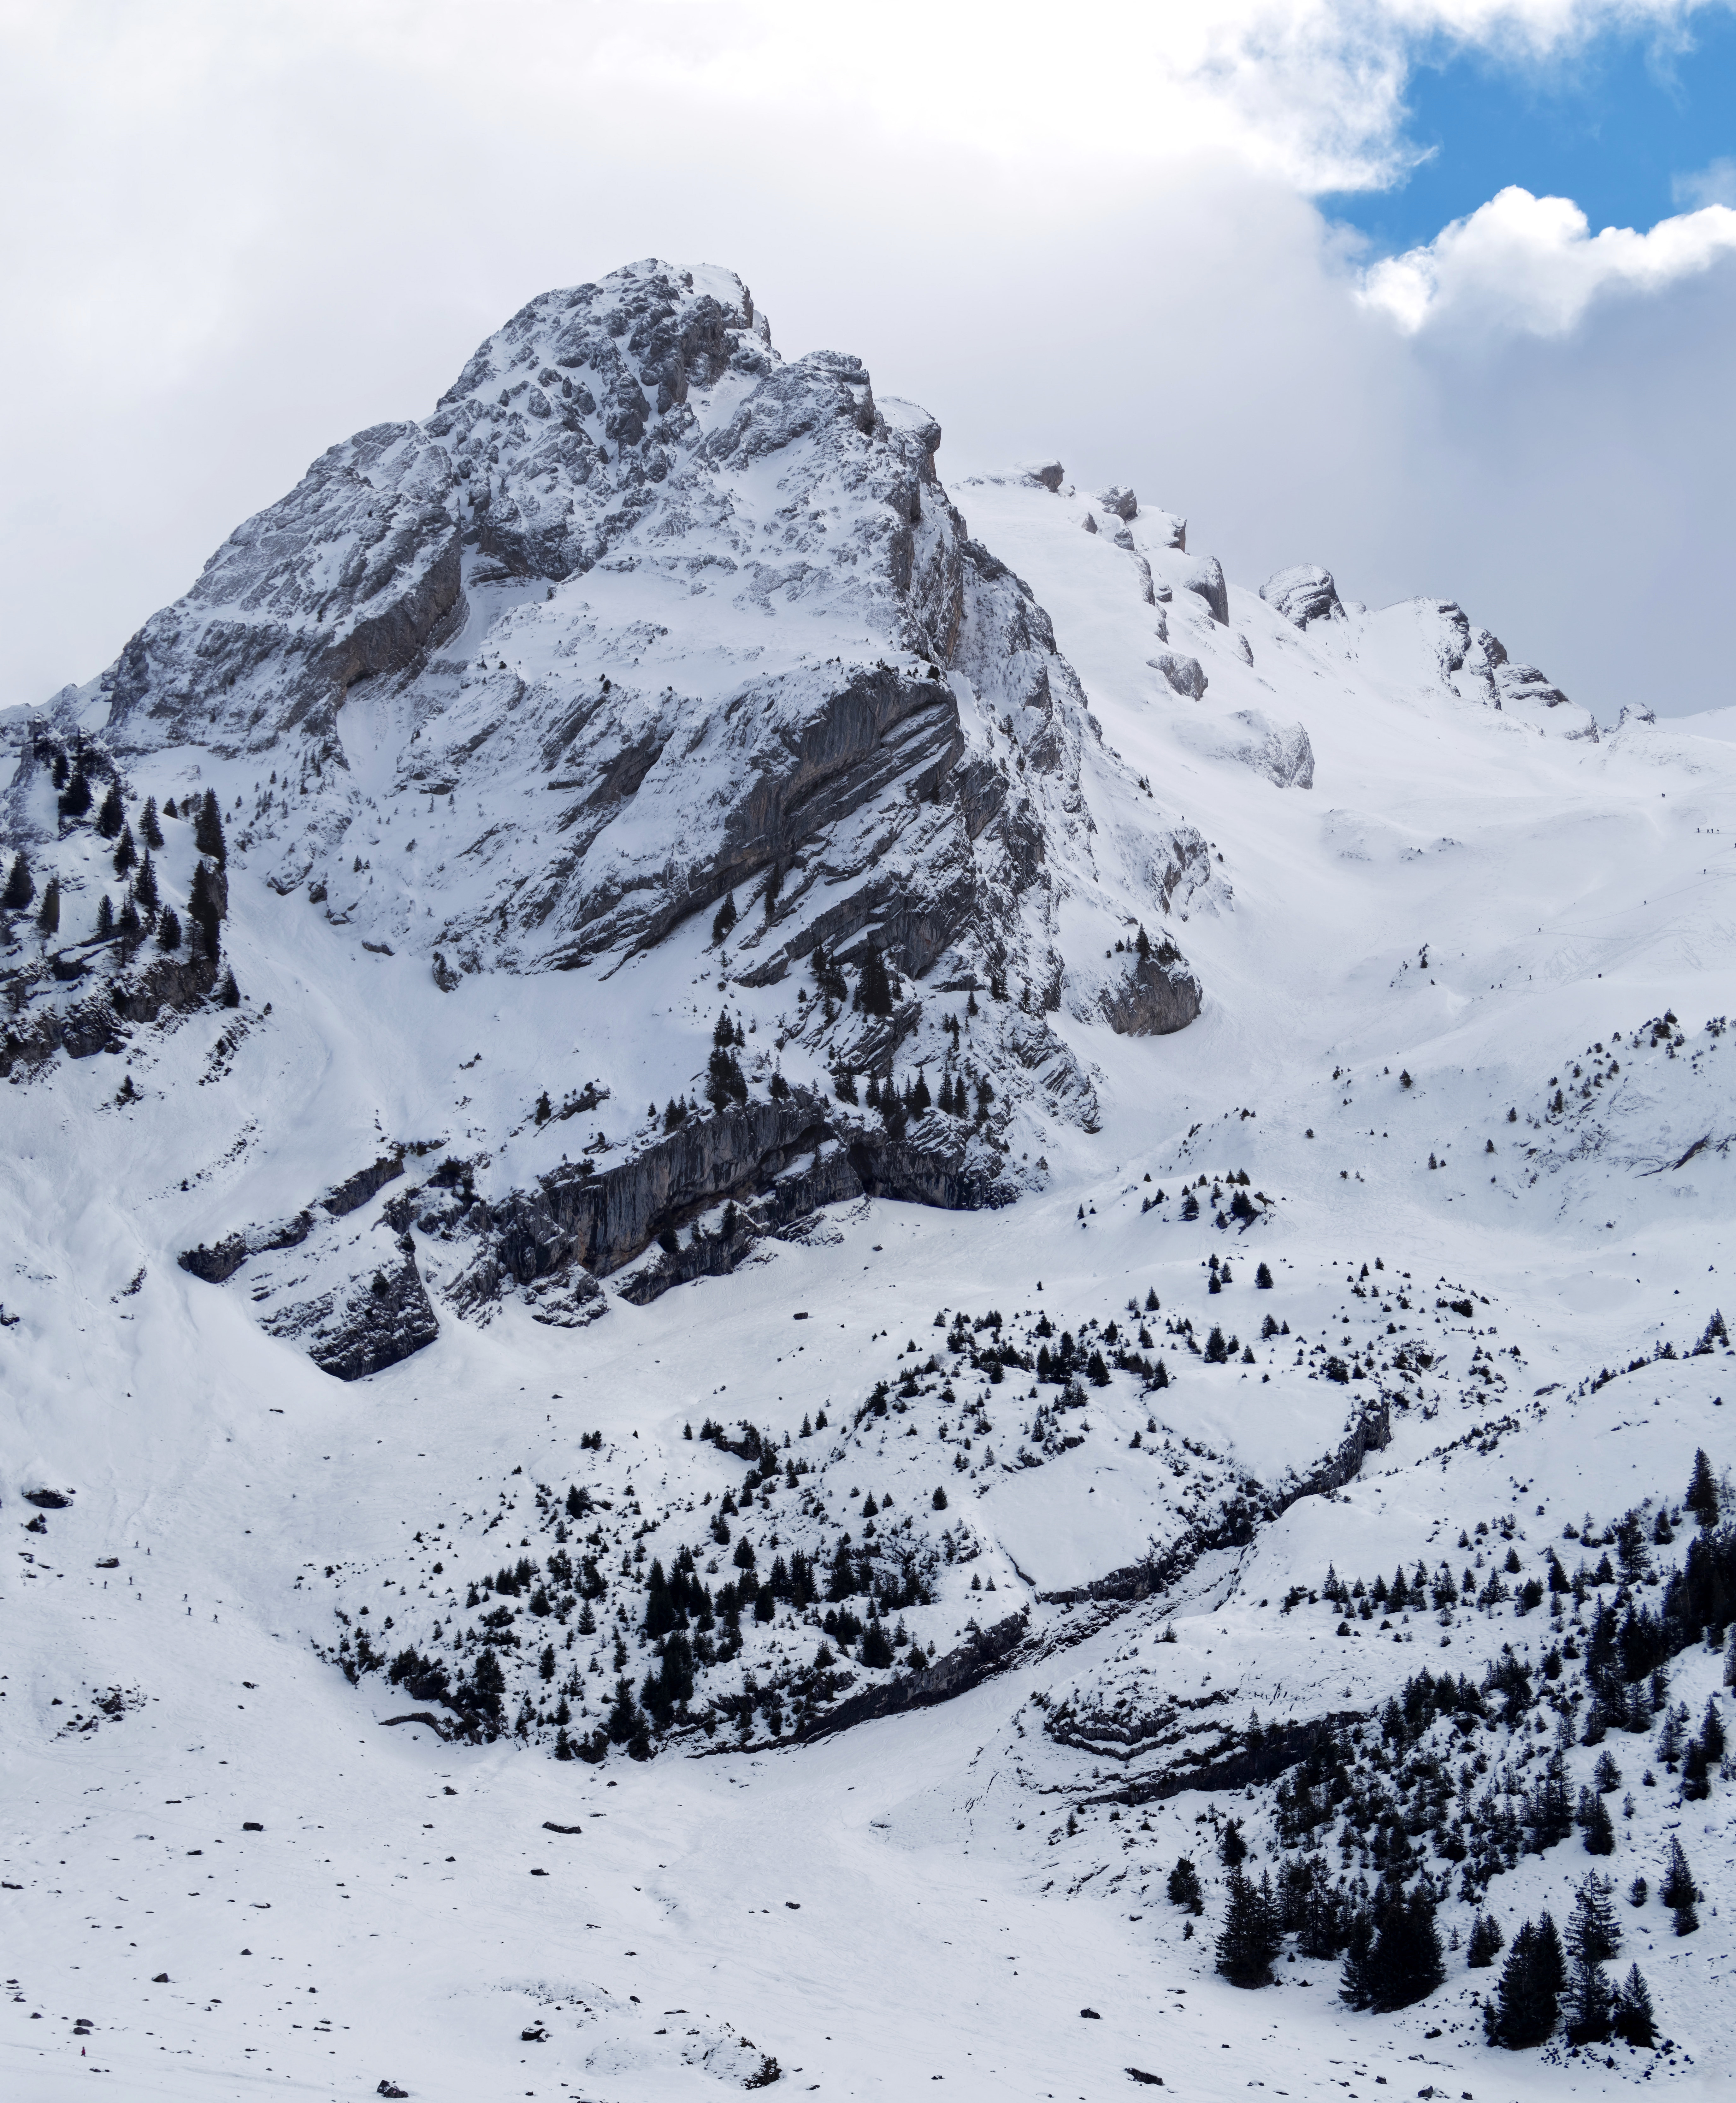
<point>1439,293</point>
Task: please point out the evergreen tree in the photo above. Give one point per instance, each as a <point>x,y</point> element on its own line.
<point>1632,2016</point>
<point>1678,1888</point>
<point>145,887</point>
<point>207,830</point>
<point>169,929</point>
<point>75,797</point>
<point>129,927</point>
<point>940,1500</point>
<point>112,815</point>
<point>202,910</point>
<point>489,1682</point>
<point>1183,1886</point>
<point>1262,1279</point>
<point>874,991</point>
<point>229,993</point>
<point>148,825</point>
<point>1485,1943</point>
<point>104,917</point>
<point>624,1722</point>
<point>48,913</point>
<point>1702,1498</point>
<point>1592,1936</point>
<point>725,919</point>
<point>1593,1932</point>
<point>125,851</point>
<point>921,1100</point>
<point>1526,2001</point>
<point>1190,1207</point>
<point>20,886</point>
<point>1599,1829</point>
<point>1251,1934</point>
<point>1232,1850</point>
<point>1216,1351</point>
<point>844,1085</point>
<point>1402,1962</point>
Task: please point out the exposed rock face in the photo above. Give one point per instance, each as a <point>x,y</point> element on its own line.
<point>1159,994</point>
<point>1185,675</point>
<point>1122,502</point>
<point>748,652</point>
<point>1303,593</point>
<point>363,1325</point>
<point>776,1163</point>
<point>348,578</point>
<point>983,1653</point>
<point>1205,580</point>
<point>1281,751</point>
<point>152,986</point>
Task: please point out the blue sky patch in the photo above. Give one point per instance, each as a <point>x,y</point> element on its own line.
<point>1616,126</point>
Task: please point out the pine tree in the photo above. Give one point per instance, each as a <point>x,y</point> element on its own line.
<point>1262,1279</point>
<point>1599,1829</point>
<point>125,851</point>
<point>145,887</point>
<point>1216,1351</point>
<point>1593,1932</point>
<point>1526,2001</point>
<point>874,991</point>
<point>129,927</point>
<point>20,886</point>
<point>1702,1498</point>
<point>148,825</point>
<point>1632,2016</point>
<point>75,797</point>
<point>202,910</point>
<point>169,929</point>
<point>1183,1886</point>
<point>1190,1207</point>
<point>1592,1936</point>
<point>1485,1942</point>
<point>229,994</point>
<point>1678,1888</point>
<point>207,830</point>
<point>1251,1934</point>
<point>104,917</point>
<point>1232,1850</point>
<point>112,815</point>
<point>725,919</point>
<point>48,913</point>
<point>844,1085</point>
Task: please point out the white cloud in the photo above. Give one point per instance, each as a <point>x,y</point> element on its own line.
<point>1715,184</point>
<point>1530,265</point>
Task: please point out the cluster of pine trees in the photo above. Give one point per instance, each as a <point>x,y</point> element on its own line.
<point>143,910</point>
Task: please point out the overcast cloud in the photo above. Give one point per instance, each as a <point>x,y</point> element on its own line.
<point>238,234</point>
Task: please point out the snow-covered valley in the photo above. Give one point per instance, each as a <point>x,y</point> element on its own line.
<point>720,1350</point>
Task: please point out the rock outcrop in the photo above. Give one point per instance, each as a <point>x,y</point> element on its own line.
<point>1303,593</point>
<point>1158,995</point>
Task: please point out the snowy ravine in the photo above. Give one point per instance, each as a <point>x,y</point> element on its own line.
<point>692,1288</point>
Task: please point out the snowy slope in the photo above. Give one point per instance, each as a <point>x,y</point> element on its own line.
<point>573,663</point>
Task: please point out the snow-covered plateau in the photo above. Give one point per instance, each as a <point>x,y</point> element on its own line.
<point>706,1378</point>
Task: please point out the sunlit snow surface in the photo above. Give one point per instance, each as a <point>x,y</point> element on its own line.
<point>1464,895</point>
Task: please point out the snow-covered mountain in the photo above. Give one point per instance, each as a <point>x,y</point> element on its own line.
<point>685,1115</point>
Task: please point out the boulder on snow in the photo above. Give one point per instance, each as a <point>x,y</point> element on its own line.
<point>1050,474</point>
<point>1206,581</point>
<point>1185,675</point>
<point>1159,995</point>
<point>1302,593</point>
<point>1122,502</point>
